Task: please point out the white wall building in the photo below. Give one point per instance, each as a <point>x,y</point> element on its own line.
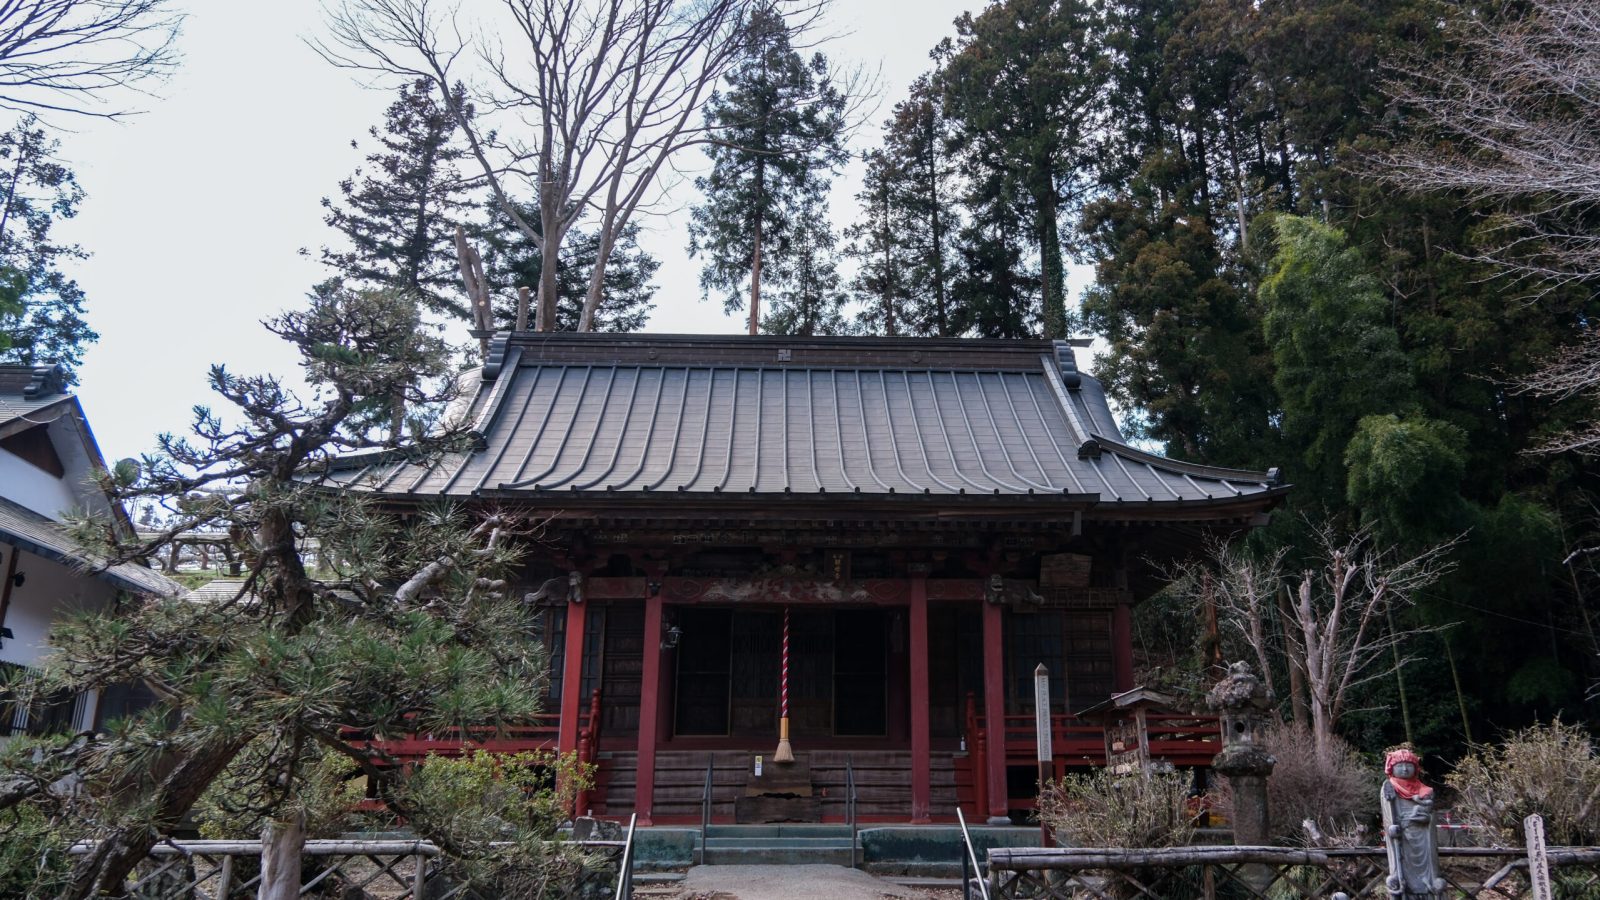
<point>47,458</point>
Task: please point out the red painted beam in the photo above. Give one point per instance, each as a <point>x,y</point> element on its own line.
<point>649,704</point>
<point>994,705</point>
<point>572,678</point>
<point>920,732</point>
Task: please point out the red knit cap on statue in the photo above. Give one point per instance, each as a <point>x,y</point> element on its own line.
<point>1410,788</point>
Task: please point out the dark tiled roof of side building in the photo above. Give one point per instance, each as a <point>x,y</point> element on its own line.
<point>26,392</point>
<point>640,414</point>
<point>40,535</point>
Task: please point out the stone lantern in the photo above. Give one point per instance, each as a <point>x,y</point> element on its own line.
<point>1244,705</point>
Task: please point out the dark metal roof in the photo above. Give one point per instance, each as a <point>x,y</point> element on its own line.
<point>38,534</point>
<point>644,414</point>
<point>26,392</point>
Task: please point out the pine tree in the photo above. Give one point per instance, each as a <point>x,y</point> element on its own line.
<point>779,135</point>
<point>43,322</point>
<point>406,627</point>
<point>904,236</point>
<point>398,214</point>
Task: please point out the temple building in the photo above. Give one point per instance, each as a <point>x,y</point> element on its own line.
<point>938,517</point>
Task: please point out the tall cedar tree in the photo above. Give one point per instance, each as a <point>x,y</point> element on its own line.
<point>406,626</point>
<point>809,296</point>
<point>917,139</point>
<point>996,291</point>
<point>778,130</point>
<point>511,261</point>
<point>904,238</point>
<point>878,245</point>
<point>41,307</point>
<point>399,212</point>
<point>1021,79</point>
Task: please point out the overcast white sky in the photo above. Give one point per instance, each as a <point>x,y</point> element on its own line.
<point>197,209</point>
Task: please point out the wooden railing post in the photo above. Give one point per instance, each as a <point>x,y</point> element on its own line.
<point>594,714</point>
<point>588,751</point>
<point>977,760</point>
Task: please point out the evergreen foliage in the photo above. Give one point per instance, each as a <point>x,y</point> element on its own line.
<point>510,261</point>
<point>41,306</point>
<point>809,296</point>
<point>1020,81</point>
<point>406,626</point>
<point>398,214</point>
<point>904,240</point>
<point>778,127</point>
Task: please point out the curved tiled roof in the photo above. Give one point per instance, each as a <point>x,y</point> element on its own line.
<point>797,416</point>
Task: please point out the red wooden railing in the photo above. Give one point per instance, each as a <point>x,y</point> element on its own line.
<point>1180,738</point>
<point>1183,739</point>
<point>539,735</point>
<point>588,752</point>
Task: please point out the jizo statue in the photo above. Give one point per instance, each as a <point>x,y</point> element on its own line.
<point>1408,832</point>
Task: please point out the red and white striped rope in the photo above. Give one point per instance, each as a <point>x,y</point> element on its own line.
<point>784,686</point>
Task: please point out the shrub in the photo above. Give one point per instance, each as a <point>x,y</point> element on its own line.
<point>1552,770</point>
<point>1100,809</point>
<point>1338,795</point>
<point>497,815</point>
<point>33,855</point>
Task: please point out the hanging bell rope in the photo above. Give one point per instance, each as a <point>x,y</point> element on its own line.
<point>784,753</point>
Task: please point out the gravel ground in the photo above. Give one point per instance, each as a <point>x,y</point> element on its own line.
<point>791,883</point>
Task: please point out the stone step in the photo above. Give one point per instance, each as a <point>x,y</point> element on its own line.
<point>777,856</point>
<point>784,830</point>
<point>779,843</point>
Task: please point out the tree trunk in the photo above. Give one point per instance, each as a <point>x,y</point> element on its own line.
<point>549,257</point>
<point>755,282</point>
<point>1050,264</point>
<point>597,277</point>
<point>281,845</point>
<point>941,309</point>
<point>104,870</point>
<point>1296,664</point>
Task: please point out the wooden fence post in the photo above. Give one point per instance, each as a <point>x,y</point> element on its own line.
<point>225,877</point>
<point>1538,861</point>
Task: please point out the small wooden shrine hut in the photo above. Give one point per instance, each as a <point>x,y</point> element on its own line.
<point>938,516</point>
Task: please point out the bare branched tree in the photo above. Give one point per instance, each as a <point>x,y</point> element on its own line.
<point>587,99</point>
<point>1339,631</point>
<point>77,56</point>
<point>1507,120</point>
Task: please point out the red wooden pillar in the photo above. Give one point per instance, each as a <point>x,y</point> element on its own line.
<point>1122,647</point>
<point>920,731</point>
<point>994,710</point>
<point>572,679</point>
<point>649,707</point>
